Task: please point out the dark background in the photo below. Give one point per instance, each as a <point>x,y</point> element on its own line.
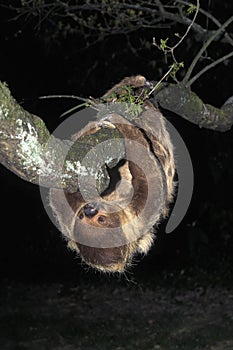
<point>39,62</point>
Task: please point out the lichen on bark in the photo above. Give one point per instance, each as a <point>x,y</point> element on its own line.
<point>28,149</point>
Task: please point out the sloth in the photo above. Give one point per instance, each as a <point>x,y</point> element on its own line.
<point>109,231</point>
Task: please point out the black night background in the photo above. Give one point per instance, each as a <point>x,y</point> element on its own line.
<point>180,295</point>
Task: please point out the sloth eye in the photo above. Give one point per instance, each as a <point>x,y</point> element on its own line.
<point>81,216</point>
<point>101,219</point>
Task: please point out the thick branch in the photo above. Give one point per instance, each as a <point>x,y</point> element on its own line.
<point>28,149</point>
<point>182,101</point>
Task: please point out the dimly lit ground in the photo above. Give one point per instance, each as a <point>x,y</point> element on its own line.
<point>87,317</point>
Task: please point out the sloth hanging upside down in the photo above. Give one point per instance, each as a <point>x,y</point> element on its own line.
<point>108,230</point>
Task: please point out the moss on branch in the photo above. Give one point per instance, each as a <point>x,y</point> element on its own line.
<point>28,149</point>
<point>182,101</point>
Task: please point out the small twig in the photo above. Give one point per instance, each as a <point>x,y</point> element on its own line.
<point>65,96</point>
<point>172,49</point>
<point>189,27</point>
<point>160,81</point>
<point>204,47</point>
<point>213,64</point>
<point>212,18</point>
<point>72,109</point>
<point>87,102</point>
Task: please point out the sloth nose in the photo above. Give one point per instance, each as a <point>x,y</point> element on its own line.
<point>90,210</point>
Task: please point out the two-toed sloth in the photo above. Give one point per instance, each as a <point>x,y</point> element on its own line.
<point>109,231</point>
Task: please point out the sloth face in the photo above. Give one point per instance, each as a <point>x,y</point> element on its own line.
<point>104,233</point>
<point>92,220</point>
<point>98,215</point>
<point>95,214</point>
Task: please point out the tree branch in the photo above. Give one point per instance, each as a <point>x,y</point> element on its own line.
<point>204,47</point>
<point>211,65</point>
<point>28,149</point>
<point>140,15</point>
<point>205,32</point>
<point>182,101</point>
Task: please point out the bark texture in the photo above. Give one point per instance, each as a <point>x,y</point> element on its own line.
<point>28,149</point>
<point>182,101</point>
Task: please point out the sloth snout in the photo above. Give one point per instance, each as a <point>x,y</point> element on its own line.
<point>90,210</point>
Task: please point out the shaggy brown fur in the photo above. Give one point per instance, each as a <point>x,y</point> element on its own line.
<point>128,232</point>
